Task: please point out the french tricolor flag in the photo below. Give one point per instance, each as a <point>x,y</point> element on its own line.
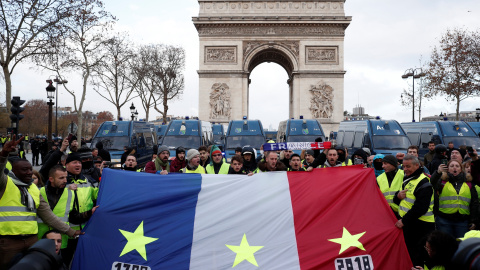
<point>332,218</point>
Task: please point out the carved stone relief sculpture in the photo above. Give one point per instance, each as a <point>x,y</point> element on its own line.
<point>321,103</point>
<point>220,54</point>
<point>220,101</point>
<point>318,55</point>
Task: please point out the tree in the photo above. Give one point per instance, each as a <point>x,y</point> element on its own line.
<point>102,117</point>
<point>80,52</point>
<point>111,76</point>
<point>452,70</point>
<point>28,28</point>
<point>158,76</point>
<point>36,117</point>
<point>170,62</point>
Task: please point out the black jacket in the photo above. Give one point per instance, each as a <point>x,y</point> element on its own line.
<point>436,161</point>
<point>104,154</point>
<point>423,194</point>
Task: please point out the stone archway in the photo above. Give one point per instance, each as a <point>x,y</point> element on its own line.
<point>305,37</point>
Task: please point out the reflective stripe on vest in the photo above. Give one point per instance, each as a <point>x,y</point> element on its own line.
<point>451,202</point>
<point>407,203</point>
<point>389,191</point>
<point>223,169</point>
<point>86,195</point>
<point>61,210</point>
<point>16,218</point>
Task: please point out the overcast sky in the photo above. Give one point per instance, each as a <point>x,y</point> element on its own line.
<point>383,40</point>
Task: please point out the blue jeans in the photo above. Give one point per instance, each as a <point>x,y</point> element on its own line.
<point>456,229</point>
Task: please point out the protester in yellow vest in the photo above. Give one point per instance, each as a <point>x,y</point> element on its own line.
<point>20,204</point>
<point>390,182</point>
<point>61,201</point>
<point>415,202</point>
<point>456,205</point>
<point>217,165</point>
<point>193,162</point>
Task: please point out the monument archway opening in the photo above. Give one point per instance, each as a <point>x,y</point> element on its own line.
<point>268,94</point>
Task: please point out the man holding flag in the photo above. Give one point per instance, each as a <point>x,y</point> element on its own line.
<point>415,202</point>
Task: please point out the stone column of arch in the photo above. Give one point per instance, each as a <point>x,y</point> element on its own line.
<point>305,37</point>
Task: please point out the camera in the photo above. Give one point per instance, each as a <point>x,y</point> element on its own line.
<point>467,256</point>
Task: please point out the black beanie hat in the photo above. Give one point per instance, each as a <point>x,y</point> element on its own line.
<point>73,156</point>
<point>391,160</point>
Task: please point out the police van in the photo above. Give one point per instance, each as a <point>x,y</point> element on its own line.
<point>475,126</point>
<point>380,136</point>
<point>441,132</point>
<point>218,131</point>
<point>271,136</point>
<point>241,133</point>
<point>115,135</point>
<point>187,133</point>
<point>300,130</point>
<point>160,130</point>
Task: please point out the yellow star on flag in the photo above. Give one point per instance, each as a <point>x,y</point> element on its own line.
<point>244,252</point>
<point>136,241</point>
<point>348,241</point>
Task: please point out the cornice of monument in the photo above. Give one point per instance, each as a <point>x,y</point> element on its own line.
<point>272,29</point>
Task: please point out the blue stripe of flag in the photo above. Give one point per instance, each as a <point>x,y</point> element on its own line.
<point>166,205</point>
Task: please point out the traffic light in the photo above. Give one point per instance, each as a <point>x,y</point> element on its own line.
<point>16,110</point>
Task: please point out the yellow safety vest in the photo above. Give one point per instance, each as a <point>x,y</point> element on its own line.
<point>407,203</point>
<point>3,139</point>
<point>199,170</point>
<point>389,191</point>
<point>435,268</point>
<point>86,194</point>
<point>15,218</point>
<point>61,210</point>
<point>8,166</point>
<point>450,202</point>
<point>223,169</point>
<point>349,162</point>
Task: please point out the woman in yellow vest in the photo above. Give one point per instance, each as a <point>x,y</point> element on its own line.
<point>456,199</point>
<point>193,163</point>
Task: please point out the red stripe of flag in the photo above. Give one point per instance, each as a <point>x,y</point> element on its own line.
<point>328,200</point>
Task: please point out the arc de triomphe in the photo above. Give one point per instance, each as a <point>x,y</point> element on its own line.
<point>305,37</point>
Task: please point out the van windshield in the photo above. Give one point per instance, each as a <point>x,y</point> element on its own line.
<point>303,138</point>
<point>468,141</point>
<point>240,141</point>
<point>391,142</point>
<point>112,143</point>
<point>187,142</point>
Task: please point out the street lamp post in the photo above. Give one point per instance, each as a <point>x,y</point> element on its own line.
<point>132,111</point>
<point>415,73</point>
<point>50,95</point>
<point>57,81</point>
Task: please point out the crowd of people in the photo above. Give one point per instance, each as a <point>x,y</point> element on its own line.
<point>435,201</point>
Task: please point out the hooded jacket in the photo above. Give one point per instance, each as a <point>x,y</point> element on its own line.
<point>104,154</point>
<point>360,153</point>
<point>178,164</point>
<point>378,170</point>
